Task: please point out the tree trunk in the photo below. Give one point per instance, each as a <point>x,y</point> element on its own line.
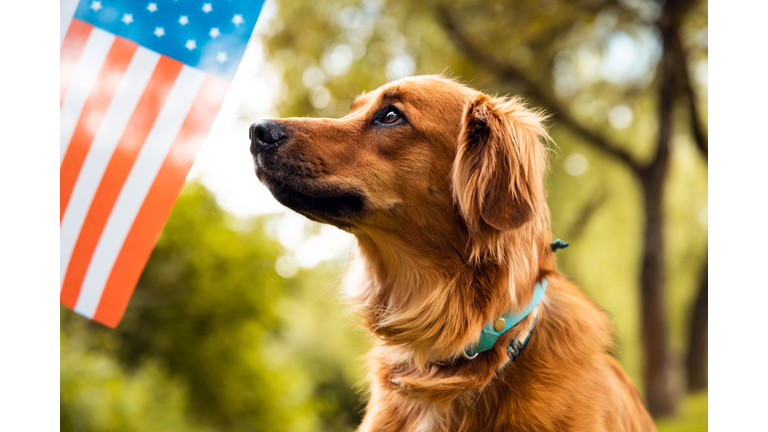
<point>660,395</point>
<point>696,356</point>
<point>656,368</point>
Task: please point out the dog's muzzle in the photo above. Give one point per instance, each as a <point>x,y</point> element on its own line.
<point>266,135</point>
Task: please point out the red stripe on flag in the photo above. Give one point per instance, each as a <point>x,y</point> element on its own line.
<point>157,205</point>
<point>117,171</point>
<point>71,48</point>
<point>109,77</point>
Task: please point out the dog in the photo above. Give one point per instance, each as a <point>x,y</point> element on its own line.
<point>442,186</point>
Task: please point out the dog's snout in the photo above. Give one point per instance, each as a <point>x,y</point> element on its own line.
<point>266,134</point>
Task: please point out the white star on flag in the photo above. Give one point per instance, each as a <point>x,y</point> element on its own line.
<point>127,19</point>
<point>207,8</point>
<point>159,31</point>
<point>238,19</point>
<point>183,20</point>
<point>191,44</point>
<point>152,7</point>
<point>221,57</point>
<point>96,5</point>
<point>215,33</point>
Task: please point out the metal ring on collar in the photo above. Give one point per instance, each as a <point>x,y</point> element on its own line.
<point>468,357</point>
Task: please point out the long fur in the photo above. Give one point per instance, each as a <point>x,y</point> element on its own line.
<point>456,232</point>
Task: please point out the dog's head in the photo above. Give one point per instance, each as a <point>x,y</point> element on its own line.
<point>424,159</point>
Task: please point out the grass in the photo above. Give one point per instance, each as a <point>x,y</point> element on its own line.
<point>692,418</point>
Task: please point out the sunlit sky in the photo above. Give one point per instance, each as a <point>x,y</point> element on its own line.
<point>224,164</point>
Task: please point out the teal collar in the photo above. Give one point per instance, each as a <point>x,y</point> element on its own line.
<point>492,331</point>
<point>490,334</point>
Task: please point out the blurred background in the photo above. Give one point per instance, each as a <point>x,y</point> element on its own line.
<point>237,324</point>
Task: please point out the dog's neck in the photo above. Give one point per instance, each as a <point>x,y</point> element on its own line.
<point>432,302</point>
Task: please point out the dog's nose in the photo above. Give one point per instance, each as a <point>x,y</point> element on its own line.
<point>266,134</point>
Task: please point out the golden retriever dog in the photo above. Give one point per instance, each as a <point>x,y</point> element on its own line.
<point>442,186</point>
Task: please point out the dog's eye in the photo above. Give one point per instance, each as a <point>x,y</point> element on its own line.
<point>391,116</point>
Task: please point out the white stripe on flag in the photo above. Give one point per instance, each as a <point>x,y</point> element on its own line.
<point>68,8</point>
<point>88,67</point>
<point>140,179</point>
<point>105,140</point>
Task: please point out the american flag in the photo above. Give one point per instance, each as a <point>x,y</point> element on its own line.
<point>141,83</point>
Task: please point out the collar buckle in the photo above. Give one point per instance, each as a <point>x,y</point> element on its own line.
<point>502,324</point>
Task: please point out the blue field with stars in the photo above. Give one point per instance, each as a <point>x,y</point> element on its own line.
<point>208,35</point>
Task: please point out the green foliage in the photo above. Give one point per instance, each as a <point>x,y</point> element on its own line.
<point>693,416</point>
<point>99,394</point>
<point>213,337</point>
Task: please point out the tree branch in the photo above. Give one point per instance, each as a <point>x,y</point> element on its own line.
<point>544,97</point>
<point>582,220</point>
<point>697,129</point>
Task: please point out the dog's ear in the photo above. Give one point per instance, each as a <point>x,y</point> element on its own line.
<point>499,168</point>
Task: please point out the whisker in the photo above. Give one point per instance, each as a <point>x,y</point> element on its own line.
<point>266,272</point>
<point>351,83</point>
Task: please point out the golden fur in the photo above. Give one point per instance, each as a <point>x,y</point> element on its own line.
<point>448,206</point>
